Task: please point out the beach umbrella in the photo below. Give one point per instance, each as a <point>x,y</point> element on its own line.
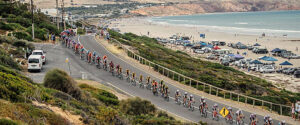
<point>286,63</point>
<point>262,58</point>
<point>256,62</point>
<point>238,56</point>
<point>276,50</point>
<point>216,48</point>
<point>270,59</point>
<point>256,44</point>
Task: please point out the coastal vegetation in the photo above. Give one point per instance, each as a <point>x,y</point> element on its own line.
<point>16,19</point>
<point>212,73</point>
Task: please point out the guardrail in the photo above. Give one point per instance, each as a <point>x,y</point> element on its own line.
<point>210,89</point>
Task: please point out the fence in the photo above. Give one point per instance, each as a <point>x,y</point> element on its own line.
<point>212,90</point>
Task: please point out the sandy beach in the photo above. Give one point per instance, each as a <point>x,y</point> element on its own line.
<point>141,26</point>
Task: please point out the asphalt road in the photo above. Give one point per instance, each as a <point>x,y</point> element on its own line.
<point>56,55</point>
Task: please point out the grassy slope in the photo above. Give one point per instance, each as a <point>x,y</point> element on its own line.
<point>211,73</point>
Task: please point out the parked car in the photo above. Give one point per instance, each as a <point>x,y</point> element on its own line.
<point>289,71</point>
<point>295,57</point>
<point>281,70</point>
<point>199,51</point>
<point>261,51</point>
<point>35,63</point>
<point>41,53</point>
<point>250,47</point>
<point>297,74</point>
<point>267,69</point>
<point>211,57</point>
<point>241,46</point>
<point>222,43</point>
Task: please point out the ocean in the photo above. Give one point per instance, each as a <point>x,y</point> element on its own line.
<point>272,23</point>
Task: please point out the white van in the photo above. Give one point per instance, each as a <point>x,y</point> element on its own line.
<point>35,63</point>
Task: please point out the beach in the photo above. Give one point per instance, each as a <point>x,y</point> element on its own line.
<point>141,26</point>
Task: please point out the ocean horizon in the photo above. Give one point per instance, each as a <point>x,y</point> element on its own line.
<point>272,23</point>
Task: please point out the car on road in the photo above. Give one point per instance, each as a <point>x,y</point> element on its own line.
<point>41,53</point>
<point>35,63</point>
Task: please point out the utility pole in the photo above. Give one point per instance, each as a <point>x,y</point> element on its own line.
<point>57,15</point>
<point>32,14</point>
<point>62,14</point>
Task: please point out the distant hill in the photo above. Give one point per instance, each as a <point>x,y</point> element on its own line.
<point>211,6</point>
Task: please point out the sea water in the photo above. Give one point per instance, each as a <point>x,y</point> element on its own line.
<point>272,23</point>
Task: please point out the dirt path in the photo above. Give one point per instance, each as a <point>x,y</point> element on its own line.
<point>73,119</point>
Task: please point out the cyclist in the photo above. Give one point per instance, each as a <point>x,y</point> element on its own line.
<point>185,97</point>
<point>94,56</point>
<point>111,66</point>
<point>76,48</point>
<point>191,100</point>
<point>148,82</point>
<point>120,71</point>
<point>133,77</point>
<point>166,91</point>
<point>281,123</point>
<point>98,59</point>
<point>117,68</point>
<point>89,57</point>
<point>215,110</point>
<point>162,89</point>
<point>253,119</point>
<point>127,72</point>
<point>154,87</point>
<point>81,51</point>
<point>239,116</point>
<point>141,80</point>
<point>229,116</point>
<point>177,96</point>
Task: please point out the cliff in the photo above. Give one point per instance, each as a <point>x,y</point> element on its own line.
<point>216,6</point>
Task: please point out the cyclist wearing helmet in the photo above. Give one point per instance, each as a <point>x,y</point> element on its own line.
<point>185,97</point>
<point>229,116</point>
<point>282,122</point>
<point>239,115</point>
<point>215,110</point>
<point>253,119</point>
<point>127,72</point>
<point>191,100</point>
<point>89,57</point>
<point>98,59</point>
<point>94,56</point>
<point>117,68</point>
<point>166,91</point>
<point>111,66</point>
<point>177,95</point>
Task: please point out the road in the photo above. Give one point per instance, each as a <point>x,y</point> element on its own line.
<point>56,55</point>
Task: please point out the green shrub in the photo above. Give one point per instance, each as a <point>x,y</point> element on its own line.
<point>6,60</point>
<point>137,106</point>
<point>22,35</point>
<point>80,31</point>
<point>60,80</point>
<point>7,122</point>
<point>20,43</point>
<point>7,39</point>
<point>4,26</point>
<point>102,95</point>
